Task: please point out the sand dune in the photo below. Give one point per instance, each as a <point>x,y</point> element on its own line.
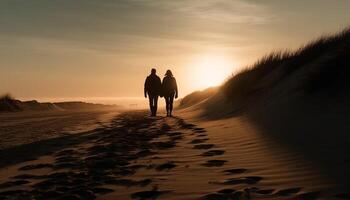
<point>27,127</point>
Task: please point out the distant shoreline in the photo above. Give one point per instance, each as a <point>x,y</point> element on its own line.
<point>10,104</point>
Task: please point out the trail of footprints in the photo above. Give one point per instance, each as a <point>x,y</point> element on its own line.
<point>107,158</point>
<point>87,170</point>
<point>249,191</point>
<point>200,143</point>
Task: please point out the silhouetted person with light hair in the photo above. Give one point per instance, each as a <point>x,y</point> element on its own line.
<point>169,91</point>
<point>153,88</point>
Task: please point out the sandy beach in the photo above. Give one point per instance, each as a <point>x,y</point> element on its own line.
<point>183,157</point>
<point>30,126</point>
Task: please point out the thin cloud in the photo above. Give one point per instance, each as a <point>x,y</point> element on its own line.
<point>235,11</point>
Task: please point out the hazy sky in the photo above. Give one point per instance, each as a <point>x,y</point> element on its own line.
<point>101,48</point>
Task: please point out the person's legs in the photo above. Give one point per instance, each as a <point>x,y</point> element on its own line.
<point>167,105</point>
<point>150,97</point>
<point>152,104</point>
<point>155,105</point>
<point>171,100</point>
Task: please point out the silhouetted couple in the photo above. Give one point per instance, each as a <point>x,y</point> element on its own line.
<point>155,88</point>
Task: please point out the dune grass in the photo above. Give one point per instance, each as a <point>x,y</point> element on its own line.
<point>6,96</point>
<point>8,103</point>
<point>325,61</point>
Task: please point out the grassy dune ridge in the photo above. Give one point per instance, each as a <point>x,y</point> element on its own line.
<point>320,67</point>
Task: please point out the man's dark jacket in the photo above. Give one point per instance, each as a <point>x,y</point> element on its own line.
<point>153,85</point>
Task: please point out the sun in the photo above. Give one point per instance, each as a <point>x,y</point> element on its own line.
<point>209,71</point>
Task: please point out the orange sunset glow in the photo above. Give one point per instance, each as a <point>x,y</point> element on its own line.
<point>95,49</point>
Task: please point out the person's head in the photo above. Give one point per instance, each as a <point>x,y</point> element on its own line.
<point>169,73</point>
<point>153,71</point>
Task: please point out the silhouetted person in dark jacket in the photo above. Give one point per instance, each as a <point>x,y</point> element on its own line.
<point>169,91</point>
<point>153,88</point>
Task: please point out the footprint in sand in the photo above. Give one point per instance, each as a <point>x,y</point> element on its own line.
<point>214,163</point>
<point>165,166</point>
<point>163,145</point>
<point>63,159</point>
<point>202,135</point>
<point>216,196</point>
<point>242,180</point>
<point>235,171</point>
<point>104,163</point>
<point>226,195</point>
<point>174,133</point>
<point>101,190</point>
<point>198,141</point>
<point>265,191</point>
<point>80,193</point>
<point>202,131</point>
<point>129,182</point>
<point>37,166</point>
<point>165,127</point>
<point>149,194</point>
<point>226,191</point>
<point>213,153</point>
<point>203,146</point>
<point>199,130</point>
<point>289,191</point>
<point>137,166</point>
<point>144,153</point>
<point>187,126</point>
